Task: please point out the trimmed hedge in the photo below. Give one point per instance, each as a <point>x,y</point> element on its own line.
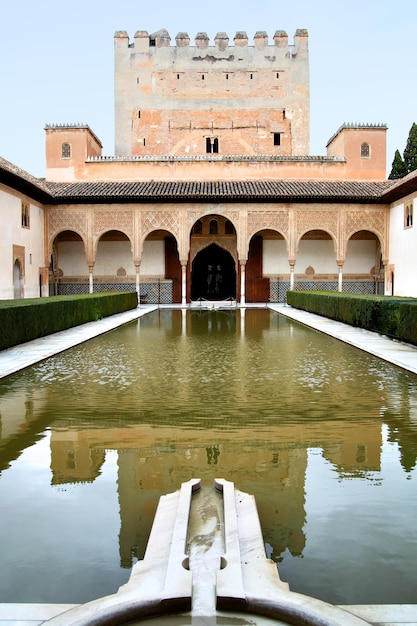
<point>27,319</point>
<point>389,315</point>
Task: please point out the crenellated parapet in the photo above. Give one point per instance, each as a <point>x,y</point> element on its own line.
<point>144,42</point>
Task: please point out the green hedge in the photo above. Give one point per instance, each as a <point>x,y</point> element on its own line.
<point>388,315</point>
<point>27,319</point>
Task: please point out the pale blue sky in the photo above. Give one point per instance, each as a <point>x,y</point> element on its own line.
<point>57,62</point>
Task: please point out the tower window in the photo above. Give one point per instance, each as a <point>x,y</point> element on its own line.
<point>138,114</point>
<point>212,145</point>
<point>365,151</point>
<point>277,75</point>
<point>408,216</point>
<point>66,151</point>
<point>277,139</point>
<point>25,215</point>
<point>152,42</point>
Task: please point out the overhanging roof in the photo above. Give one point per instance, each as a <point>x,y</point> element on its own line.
<point>95,192</point>
<point>227,191</point>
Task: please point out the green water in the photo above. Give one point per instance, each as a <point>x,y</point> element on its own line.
<point>323,435</point>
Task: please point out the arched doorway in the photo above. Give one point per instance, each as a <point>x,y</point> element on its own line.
<point>213,274</point>
<point>17,281</point>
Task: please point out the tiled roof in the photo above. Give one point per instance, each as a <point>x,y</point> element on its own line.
<point>278,190</point>
<point>19,179</point>
<point>385,191</point>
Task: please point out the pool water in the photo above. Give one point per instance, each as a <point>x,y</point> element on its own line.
<point>324,436</point>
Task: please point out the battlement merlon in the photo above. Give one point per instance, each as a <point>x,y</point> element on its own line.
<point>146,43</point>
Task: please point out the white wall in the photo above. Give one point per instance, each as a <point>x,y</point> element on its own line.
<point>403,249</point>
<point>12,233</point>
<point>113,255</point>
<point>360,256</point>
<point>71,259</point>
<point>153,259</point>
<point>318,254</point>
<point>275,257</point>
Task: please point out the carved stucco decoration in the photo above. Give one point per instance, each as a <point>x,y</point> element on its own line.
<point>105,220</point>
<point>160,220</point>
<point>271,220</point>
<point>373,220</point>
<point>62,219</point>
<point>316,220</point>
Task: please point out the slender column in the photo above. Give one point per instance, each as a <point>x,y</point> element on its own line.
<point>183,284</point>
<point>292,265</point>
<point>242,283</point>
<point>137,268</point>
<point>90,279</point>
<point>340,283</point>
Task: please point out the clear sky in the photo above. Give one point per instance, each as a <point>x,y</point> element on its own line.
<point>57,62</point>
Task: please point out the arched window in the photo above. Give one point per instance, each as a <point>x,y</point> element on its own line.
<point>408,216</point>
<point>66,151</point>
<point>212,145</point>
<point>213,227</point>
<point>365,151</point>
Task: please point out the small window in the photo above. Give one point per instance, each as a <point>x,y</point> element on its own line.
<point>139,115</point>
<point>277,139</point>
<point>365,151</point>
<point>227,76</point>
<point>178,76</point>
<point>408,216</point>
<point>25,215</point>
<point>213,227</point>
<point>277,75</point>
<point>202,77</point>
<point>212,145</point>
<point>251,76</point>
<point>66,151</point>
<point>152,42</point>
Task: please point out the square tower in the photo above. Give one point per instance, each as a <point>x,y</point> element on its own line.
<point>221,99</point>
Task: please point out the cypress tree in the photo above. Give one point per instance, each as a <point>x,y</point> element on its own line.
<point>398,169</point>
<point>410,152</point>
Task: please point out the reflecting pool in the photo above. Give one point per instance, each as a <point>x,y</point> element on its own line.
<point>324,436</point>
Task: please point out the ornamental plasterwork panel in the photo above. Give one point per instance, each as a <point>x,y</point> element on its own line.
<point>373,221</point>
<point>273,220</point>
<point>228,244</point>
<point>59,220</point>
<point>306,220</point>
<point>160,220</point>
<point>193,216</point>
<point>113,220</point>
